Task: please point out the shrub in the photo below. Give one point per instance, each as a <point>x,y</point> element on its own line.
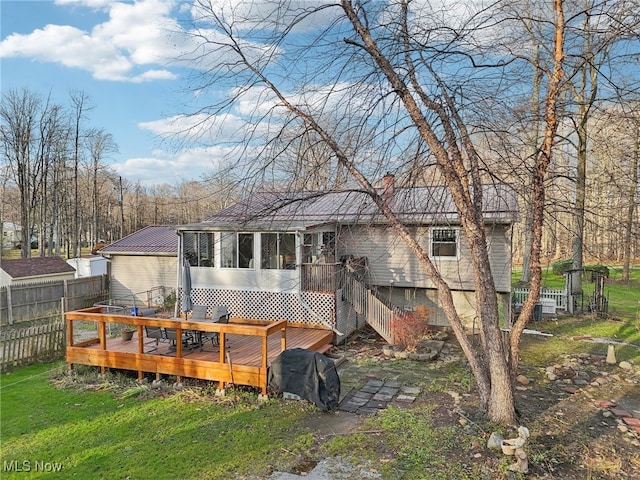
<point>593,269</point>
<point>560,267</point>
<point>410,327</point>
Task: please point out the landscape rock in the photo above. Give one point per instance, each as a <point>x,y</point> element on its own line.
<point>625,365</point>
<point>495,441</point>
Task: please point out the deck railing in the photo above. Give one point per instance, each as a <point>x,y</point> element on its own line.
<point>367,304</point>
<point>320,277</point>
<point>84,353</point>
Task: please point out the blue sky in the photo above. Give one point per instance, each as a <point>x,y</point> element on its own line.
<point>117,54</point>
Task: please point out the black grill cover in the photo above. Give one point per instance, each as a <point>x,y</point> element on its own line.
<point>308,374</point>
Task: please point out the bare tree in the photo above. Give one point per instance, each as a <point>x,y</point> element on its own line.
<point>99,145</point>
<point>593,58</point>
<point>80,106</point>
<point>18,113</point>
<point>394,81</point>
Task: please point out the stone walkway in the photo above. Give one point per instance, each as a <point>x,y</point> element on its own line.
<point>376,395</point>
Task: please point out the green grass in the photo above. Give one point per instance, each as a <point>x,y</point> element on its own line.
<point>544,351</point>
<point>99,434</point>
<point>407,445</point>
<point>100,429</point>
<point>624,297</point>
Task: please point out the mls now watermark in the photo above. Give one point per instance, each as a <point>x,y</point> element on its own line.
<point>31,466</point>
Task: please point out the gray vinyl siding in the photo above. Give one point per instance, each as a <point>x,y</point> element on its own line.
<point>391,262</point>
<point>132,274</point>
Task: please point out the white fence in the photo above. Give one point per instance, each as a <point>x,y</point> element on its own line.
<point>519,295</point>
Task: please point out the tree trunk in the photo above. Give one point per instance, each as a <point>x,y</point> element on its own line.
<point>633,187</point>
<point>538,187</point>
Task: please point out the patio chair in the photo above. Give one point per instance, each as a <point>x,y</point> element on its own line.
<point>155,333</point>
<point>172,336</point>
<point>219,314</point>
<point>199,313</point>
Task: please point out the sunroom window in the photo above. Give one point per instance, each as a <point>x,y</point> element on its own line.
<point>278,251</point>
<point>198,248</point>
<point>444,243</point>
<point>236,250</point>
<point>319,247</point>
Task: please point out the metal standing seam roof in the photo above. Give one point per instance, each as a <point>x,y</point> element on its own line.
<point>35,266</point>
<point>153,239</point>
<point>417,205</point>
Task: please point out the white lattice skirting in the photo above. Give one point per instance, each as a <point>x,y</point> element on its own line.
<point>306,307</point>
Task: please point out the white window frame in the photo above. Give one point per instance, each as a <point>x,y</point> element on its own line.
<point>432,231</point>
<point>236,250</point>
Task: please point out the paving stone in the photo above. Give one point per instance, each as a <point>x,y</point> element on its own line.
<point>393,383</point>
<point>359,402</point>
<point>374,383</point>
<point>355,402</point>
<point>376,404</point>
<point>406,398</point>
<point>410,390</point>
<point>365,411</point>
<point>362,395</point>
<point>388,390</point>
<point>349,407</point>
<point>370,389</point>
<point>382,397</point>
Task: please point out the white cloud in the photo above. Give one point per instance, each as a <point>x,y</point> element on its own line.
<point>200,128</point>
<point>137,35</point>
<point>68,46</point>
<point>167,167</point>
<point>244,15</point>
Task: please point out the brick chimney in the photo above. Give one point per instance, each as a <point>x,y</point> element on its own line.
<point>388,186</point>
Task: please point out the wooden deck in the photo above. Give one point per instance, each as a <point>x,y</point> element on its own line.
<point>245,351</point>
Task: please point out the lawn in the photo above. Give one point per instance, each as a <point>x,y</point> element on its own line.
<point>623,297</point>
<point>110,427</point>
<point>110,432</point>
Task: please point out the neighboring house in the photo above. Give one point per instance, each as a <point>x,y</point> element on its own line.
<point>33,270</point>
<point>89,266</point>
<point>142,262</point>
<point>331,259</point>
<point>11,235</point>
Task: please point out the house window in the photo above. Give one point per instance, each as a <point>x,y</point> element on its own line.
<point>278,251</point>
<point>198,248</point>
<point>444,243</point>
<point>236,250</point>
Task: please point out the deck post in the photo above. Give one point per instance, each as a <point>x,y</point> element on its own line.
<point>222,343</point>
<point>265,361</point>
<point>102,334</point>
<point>140,350</point>
<point>69,338</point>
<point>283,338</point>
